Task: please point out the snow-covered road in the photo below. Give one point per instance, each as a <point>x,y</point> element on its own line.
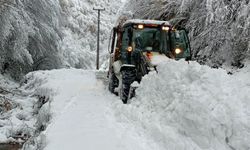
<point>82,116</point>
<point>184,106</point>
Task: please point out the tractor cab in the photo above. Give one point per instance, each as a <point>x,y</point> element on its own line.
<point>154,38</point>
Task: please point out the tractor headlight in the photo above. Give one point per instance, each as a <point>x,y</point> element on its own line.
<point>140,26</point>
<point>130,49</point>
<point>178,51</point>
<point>165,28</point>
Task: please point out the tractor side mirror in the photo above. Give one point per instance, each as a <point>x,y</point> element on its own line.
<point>183,28</point>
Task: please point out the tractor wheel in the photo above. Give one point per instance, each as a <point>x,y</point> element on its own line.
<point>128,77</point>
<point>113,83</point>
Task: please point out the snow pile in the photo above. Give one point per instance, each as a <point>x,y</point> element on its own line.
<point>189,106</point>
<point>219,30</point>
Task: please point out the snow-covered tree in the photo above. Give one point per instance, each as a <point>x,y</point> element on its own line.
<point>29,36</point>
<point>49,34</point>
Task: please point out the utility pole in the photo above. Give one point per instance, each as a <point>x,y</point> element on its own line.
<point>98,37</point>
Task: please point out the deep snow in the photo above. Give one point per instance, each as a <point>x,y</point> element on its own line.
<point>184,106</point>
<point>189,106</point>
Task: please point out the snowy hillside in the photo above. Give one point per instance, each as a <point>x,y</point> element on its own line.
<point>219,30</point>
<point>48,34</point>
<point>23,112</point>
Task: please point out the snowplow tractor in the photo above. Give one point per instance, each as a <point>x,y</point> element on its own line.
<point>136,46</point>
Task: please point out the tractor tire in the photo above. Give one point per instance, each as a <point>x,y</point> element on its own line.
<point>128,77</point>
<point>113,83</point>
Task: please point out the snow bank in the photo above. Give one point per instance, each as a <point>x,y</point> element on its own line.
<point>189,106</point>
<point>24,111</point>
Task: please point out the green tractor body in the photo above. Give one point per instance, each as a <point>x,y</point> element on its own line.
<point>137,46</point>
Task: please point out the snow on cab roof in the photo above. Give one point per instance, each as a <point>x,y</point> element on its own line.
<point>139,21</point>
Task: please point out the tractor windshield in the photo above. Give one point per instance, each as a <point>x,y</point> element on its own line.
<point>150,39</point>
<point>171,42</point>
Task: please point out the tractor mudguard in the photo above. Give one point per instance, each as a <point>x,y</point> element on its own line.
<point>119,67</point>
